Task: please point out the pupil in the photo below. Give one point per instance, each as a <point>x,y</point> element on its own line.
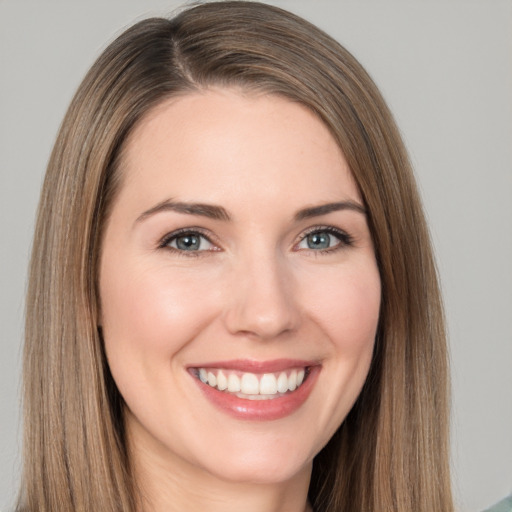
<point>318,241</point>
<point>188,242</point>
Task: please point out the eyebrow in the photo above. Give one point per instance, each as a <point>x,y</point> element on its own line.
<point>219,213</point>
<point>204,210</point>
<point>324,209</point>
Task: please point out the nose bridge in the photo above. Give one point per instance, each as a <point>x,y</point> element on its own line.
<point>262,302</point>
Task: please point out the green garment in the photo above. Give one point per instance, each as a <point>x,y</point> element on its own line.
<point>503,506</point>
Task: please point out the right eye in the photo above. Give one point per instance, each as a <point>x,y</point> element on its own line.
<point>188,241</point>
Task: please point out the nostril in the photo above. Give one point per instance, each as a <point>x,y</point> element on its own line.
<point>262,325</point>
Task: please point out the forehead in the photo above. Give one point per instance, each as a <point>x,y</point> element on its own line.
<point>217,144</point>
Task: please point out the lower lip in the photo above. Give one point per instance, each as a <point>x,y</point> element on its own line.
<point>261,410</point>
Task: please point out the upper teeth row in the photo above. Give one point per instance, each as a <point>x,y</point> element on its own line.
<point>252,384</point>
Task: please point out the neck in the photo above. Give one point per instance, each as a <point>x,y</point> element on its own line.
<point>171,484</point>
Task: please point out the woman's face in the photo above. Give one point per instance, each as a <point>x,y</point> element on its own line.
<point>239,289</point>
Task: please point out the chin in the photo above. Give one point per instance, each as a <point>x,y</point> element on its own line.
<point>256,472</point>
<point>260,463</point>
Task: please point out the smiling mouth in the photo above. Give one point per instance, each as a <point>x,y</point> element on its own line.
<point>257,390</point>
<point>253,386</point>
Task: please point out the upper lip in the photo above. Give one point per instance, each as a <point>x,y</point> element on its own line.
<point>252,366</point>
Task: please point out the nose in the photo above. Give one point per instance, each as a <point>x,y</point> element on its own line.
<point>262,302</point>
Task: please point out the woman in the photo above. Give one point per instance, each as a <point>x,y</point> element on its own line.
<point>226,306</point>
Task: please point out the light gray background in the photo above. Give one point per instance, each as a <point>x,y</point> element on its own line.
<point>445,68</point>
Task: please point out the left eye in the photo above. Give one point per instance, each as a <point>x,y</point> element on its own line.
<point>189,242</point>
<point>320,240</point>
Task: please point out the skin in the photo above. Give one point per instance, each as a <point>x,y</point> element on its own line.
<point>255,290</point>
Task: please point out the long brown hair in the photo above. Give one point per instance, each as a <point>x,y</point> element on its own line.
<point>391,453</point>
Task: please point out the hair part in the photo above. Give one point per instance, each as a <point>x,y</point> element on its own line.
<point>391,452</point>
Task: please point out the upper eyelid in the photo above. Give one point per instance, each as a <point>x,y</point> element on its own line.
<point>330,229</point>
<point>321,227</point>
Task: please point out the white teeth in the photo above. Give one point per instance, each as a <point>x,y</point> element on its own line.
<point>292,381</point>
<point>212,379</point>
<point>250,385</point>
<point>233,383</point>
<point>222,381</point>
<point>258,397</point>
<point>268,384</point>
<point>282,383</point>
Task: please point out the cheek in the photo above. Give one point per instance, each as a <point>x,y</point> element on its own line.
<point>151,313</point>
<point>346,304</point>
<point>148,321</point>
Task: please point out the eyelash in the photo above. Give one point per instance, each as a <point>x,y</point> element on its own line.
<point>345,240</point>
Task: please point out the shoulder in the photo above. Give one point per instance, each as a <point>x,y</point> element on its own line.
<point>503,506</point>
